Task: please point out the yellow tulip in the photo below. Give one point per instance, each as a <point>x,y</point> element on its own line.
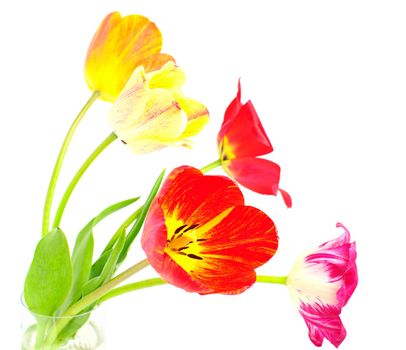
<point>119,45</point>
<point>152,113</point>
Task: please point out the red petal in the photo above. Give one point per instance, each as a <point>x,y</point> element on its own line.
<point>244,132</point>
<point>153,242</point>
<point>231,112</point>
<point>259,175</point>
<point>286,198</point>
<point>197,198</point>
<point>244,240</point>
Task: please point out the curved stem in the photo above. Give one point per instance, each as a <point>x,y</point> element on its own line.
<point>152,282</point>
<point>101,291</point>
<point>59,161</point>
<point>64,201</point>
<point>211,166</point>
<point>272,279</point>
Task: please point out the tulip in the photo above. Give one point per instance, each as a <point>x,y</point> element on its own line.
<point>199,235</point>
<point>240,141</point>
<point>152,113</point>
<point>119,45</point>
<point>320,283</point>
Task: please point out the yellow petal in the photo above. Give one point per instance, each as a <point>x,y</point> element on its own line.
<point>196,112</point>
<point>170,76</point>
<point>130,105</point>
<point>155,62</point>
<point>120,45</point>
<point>154,115</point>
<point>162,118</point>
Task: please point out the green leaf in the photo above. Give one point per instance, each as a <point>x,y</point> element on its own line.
<point>83,251</point>
<point>50,275</point>
<point>75,324</point>
<point>106,271</point>
<point>101,261</point>
<point>140,221</point>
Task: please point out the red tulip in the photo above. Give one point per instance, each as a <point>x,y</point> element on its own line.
<point>199,235</point>
<point>240,141</point>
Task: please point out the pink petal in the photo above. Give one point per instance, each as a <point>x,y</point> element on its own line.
<point>323,321</point>
<point>344,238</point>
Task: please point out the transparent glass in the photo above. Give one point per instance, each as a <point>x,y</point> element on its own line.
<point>80,332</point>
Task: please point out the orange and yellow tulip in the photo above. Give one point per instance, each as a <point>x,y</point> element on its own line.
<point>120,45</point>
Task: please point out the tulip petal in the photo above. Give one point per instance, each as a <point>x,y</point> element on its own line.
<point>197,115</point>
<point>156,61</point>
<point>323,322</point>
<point>169,77</point>
<point>197,198</point>
<point>237,129</point>
<point>230,113</point>
<point>259,175</point>
<point>226,254</point>
<point>119,45</point>
<point>286,198</point>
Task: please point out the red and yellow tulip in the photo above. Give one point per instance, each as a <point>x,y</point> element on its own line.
<point>152,113</point>
<point>240,141</point>
<point>199,235</point>
<point>119,45</point>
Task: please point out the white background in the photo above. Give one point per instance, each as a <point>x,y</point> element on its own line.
<point>328,80</point>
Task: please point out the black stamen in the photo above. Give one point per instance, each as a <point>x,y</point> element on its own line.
<point>193,256</point>
<point>191,227</point>
<point>180,228</point>
<point>183,248</point>
<point>201,239</point>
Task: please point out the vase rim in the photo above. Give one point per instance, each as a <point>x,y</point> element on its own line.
<point>81,314</point>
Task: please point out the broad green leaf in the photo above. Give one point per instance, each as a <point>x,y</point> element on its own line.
<point>83,251</point>
<point>50,275</point>
<point>140,221</point>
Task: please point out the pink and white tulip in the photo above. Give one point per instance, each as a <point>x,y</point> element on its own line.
<point>320,283</point>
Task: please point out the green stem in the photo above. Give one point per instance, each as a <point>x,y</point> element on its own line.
<point>99,292</point>
<point>64,201</point>
<point>93,297</point>
<point>211,166</point>
<point>152,282</point>
<point>272,279</point>
<point>59,162</point>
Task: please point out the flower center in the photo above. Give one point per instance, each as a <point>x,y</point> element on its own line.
<point>226,151</point>
<point>184,241</point>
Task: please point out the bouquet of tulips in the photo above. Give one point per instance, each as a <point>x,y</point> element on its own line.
<point>196,230</point>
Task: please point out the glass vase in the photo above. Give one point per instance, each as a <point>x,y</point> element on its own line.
<point>79,332</point>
